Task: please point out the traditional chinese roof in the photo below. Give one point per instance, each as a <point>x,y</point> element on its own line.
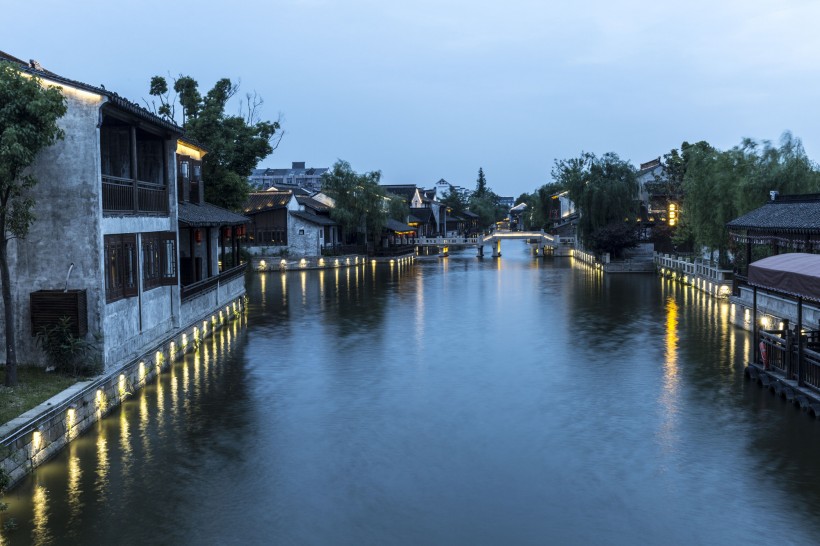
<point>266,200</point>
<point>313,218</point>
<point>795,214</point>
<point>396,226</point>
<point>208,215</point>
<point>312,203</point>
<point>35,69</point>
<point>405,191</point>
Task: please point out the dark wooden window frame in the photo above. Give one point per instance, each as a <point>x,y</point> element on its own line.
<point>121,272</point>
<point>159,259</point>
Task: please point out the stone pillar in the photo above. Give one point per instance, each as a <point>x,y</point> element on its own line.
<point>480,251</point>
<point>497,248</point>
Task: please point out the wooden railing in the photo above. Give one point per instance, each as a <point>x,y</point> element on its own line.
<point>781,355</point>
<point>810,369</point>
<point>211,283</point>
<point>128,196</point>
<point>777,353</point>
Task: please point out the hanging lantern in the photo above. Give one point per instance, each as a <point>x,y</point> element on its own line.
<point>198,235</point>
<point>227,232</point>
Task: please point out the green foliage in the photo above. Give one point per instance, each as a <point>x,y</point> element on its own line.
<point>67,353</point>
<point>481,188</point>
<point>28,124</point>
<point>604,190</point>
<point>614,238</point>
<point>4,483</point>
<point>456,200</point>
<point>359,202</point>
<point>719,186</point>
<point>397,208</point>
<point>485,203</point>
<point>236,143</point>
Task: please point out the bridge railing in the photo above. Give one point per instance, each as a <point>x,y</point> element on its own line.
<point>443,241</point>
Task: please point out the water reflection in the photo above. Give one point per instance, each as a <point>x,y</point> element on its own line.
<point>446,402</point>
<point>42,533</point>
<point>75,474</point>
<point>101,482</point>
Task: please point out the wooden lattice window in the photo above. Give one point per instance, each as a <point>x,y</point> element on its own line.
<point>159,259</point>
<point>120,266</point>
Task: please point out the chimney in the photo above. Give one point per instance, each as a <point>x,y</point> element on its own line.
<point>773,195</point>
<point>298,165</point>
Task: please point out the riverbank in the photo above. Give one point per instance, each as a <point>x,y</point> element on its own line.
<point>32,438</point>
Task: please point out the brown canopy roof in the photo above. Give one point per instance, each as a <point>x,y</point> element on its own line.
<point>795,273</point>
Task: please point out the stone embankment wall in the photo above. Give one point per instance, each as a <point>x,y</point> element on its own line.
<point>37,435</point>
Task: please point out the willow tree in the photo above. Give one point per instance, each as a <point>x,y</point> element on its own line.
<point>359,201</point>
<point>28,123</point>
<point>604,190</point>
<point>719,186</point>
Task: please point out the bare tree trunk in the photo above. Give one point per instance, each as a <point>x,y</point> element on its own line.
<point>8,315</point>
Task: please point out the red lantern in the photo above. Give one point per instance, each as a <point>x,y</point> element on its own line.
<point>227,232</point>
<point>198,235</point>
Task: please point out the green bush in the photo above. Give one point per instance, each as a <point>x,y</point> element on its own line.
<point>69,354</point>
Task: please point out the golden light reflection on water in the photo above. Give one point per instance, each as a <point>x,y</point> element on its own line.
<point>321,284</point>
<point>303,283</point>
<point>75,473</point>
<point>671,361</point>
<point>160,403</point>
<point>145,421</point>
<point>174,391</point>
<point>668,396</point>
<point>125,438</point>
<point>41,532</point>
<point>186,385</point>
<point>197,366</point>
<point>101,481</point>
<point>263,279</point>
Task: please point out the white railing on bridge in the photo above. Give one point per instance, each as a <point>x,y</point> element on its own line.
<point>446,241</point>
<point>528,235</point>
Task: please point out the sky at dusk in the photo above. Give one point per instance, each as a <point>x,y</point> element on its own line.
<point>435,89</point>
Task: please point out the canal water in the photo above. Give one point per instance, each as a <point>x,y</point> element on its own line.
<point>454,401</point>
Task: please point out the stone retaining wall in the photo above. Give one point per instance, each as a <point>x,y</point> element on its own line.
<point>37,435</point>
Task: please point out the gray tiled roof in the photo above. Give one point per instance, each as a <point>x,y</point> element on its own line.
<point>311,203</point>
<point>313,218</point>
<point>802,216</point>
<point>395,225</point>
<point>206,214</point>
<point>266,200</point>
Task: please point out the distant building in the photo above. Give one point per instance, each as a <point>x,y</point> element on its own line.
<point>443,189</point>
<point>506,202</point>
<point>298,175</point>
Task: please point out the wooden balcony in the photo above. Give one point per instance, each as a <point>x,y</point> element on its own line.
<point>128,196</point>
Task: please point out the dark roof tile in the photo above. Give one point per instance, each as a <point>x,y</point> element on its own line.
<point>206,214</point>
